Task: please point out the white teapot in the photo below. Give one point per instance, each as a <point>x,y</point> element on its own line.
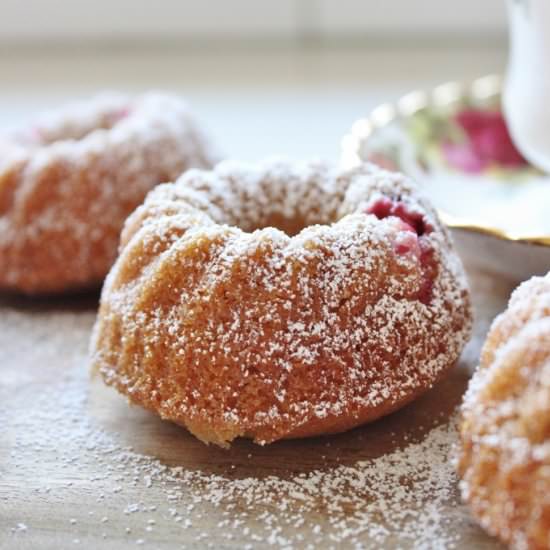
<point>527,87</point>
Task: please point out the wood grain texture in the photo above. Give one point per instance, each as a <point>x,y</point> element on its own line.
<point>49,499</point>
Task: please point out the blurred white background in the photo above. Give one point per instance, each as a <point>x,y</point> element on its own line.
<point>119,20</point>
<point>286,77</point>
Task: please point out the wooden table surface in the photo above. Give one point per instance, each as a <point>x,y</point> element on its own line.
<point>68,478</point>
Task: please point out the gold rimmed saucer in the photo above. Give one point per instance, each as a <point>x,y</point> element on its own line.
<point>453,140</point>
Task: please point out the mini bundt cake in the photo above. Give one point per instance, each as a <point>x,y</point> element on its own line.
<point>281,300</point>
<point>68,182</point>
<point>505,433</point>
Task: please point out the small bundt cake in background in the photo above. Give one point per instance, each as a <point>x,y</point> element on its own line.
<point>281,300</point>
<point>505,433</point>
<point>68,182</point>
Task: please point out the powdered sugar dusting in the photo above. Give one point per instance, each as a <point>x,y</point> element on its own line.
<point>68,181</point>
<point>405,498</point>
<point>323,328</point>
<point>505,431</point>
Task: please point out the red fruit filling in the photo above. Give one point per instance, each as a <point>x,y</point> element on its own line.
<point>411,239</point>
<point>407,242</point>
<point>429,271</point>
<point>384,207</point>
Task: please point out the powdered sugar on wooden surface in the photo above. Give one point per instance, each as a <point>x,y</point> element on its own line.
<point>76,452</point>
<point>365,505</point>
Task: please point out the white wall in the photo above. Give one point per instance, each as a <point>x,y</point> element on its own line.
<point>413,16</point>
<point>118,20</point>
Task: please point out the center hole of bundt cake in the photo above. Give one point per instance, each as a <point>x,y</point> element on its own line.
<point>385,207</point>
<point>290,225</point>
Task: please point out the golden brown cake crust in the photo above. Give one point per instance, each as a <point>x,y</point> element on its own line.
<point>69,180</point>
<point>505,433</point>
<point>248,331</point>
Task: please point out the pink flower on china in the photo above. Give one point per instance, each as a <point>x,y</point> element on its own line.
<point>487,142</point>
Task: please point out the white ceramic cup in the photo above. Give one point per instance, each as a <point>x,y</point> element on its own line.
<point>527,87</point>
